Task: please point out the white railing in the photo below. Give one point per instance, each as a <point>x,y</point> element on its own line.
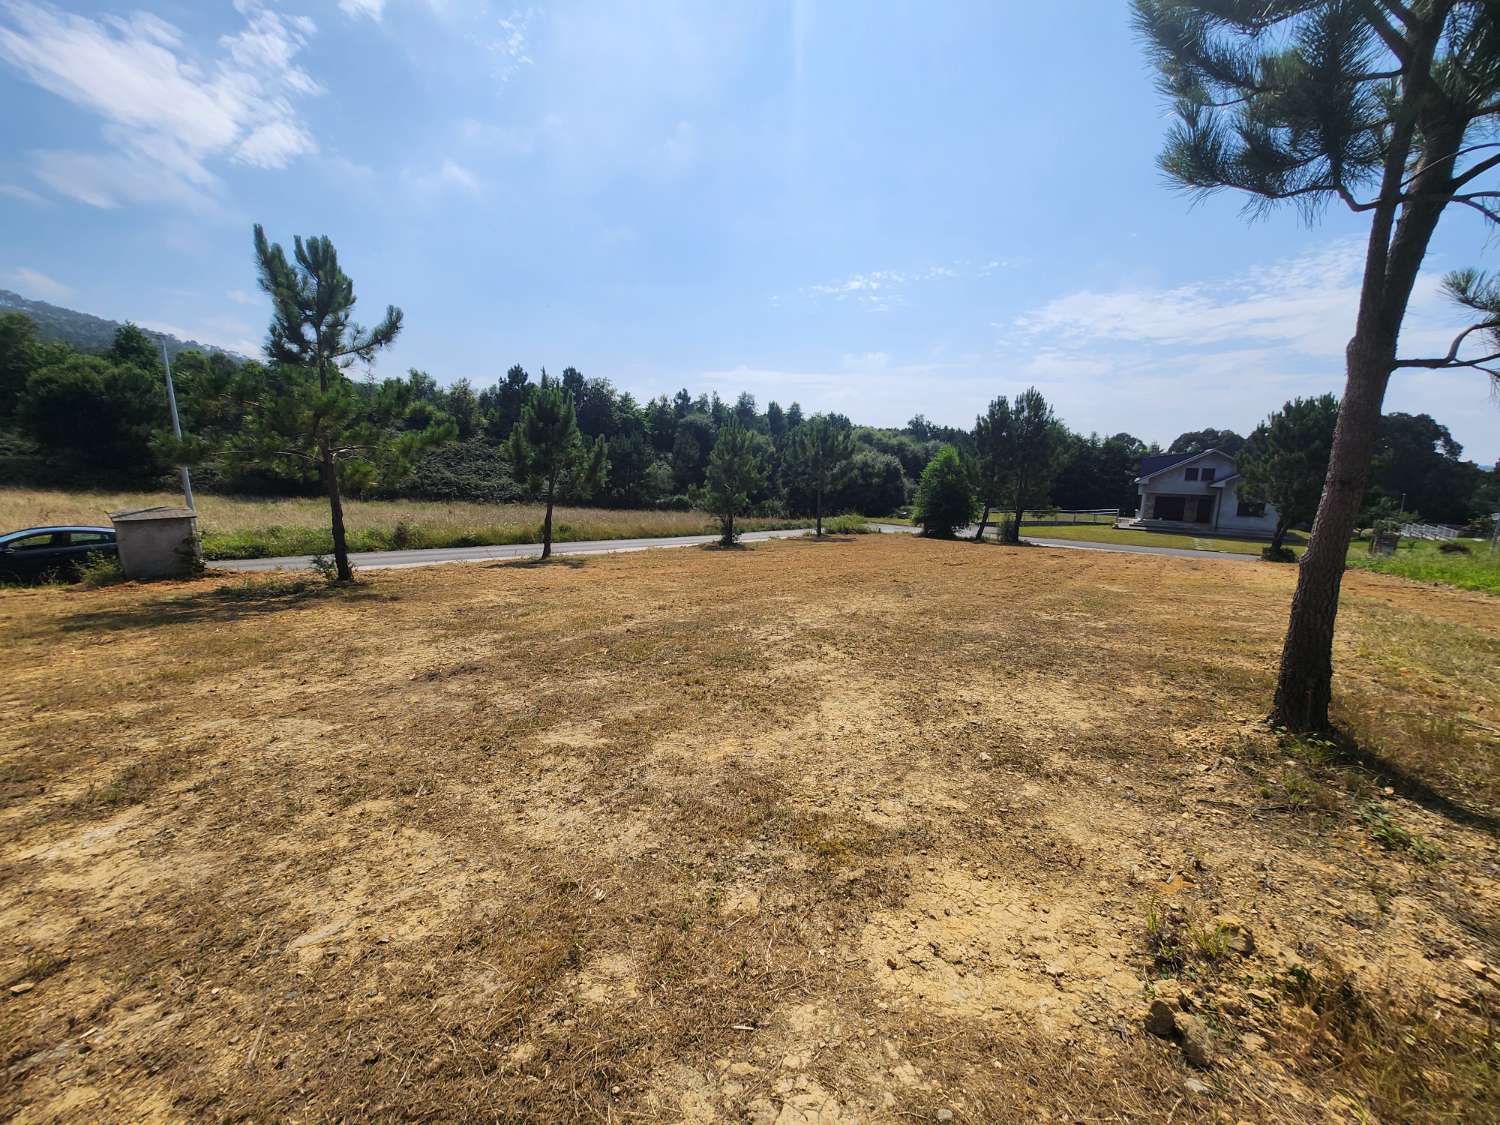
<point>1073,515</point>
<point>1428,531</point>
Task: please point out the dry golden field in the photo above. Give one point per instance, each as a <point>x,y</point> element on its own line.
<point>876,829</point>
<point>258,527</point>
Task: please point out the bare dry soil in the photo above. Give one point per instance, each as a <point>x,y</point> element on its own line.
<point>874,829</point>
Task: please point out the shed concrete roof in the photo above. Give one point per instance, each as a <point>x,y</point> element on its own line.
<point>158,513</point>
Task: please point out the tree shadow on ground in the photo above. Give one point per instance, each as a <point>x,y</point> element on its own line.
<point>572,562</point>
<point>1349,751</point>
<point>815,541</point>
<point>227,603</point>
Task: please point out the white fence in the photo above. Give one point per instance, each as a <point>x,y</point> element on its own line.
<point>1074,515</point>
<point>1428,531</point>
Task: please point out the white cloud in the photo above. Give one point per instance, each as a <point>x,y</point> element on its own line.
<point>1152,360</point>
<point>38,285</point>
<point>240,297</point>
<point>455,173</point>
<point>166,114</point>
<point>882,290</point>
<point>371,9</point>
<point>1302,307</point>
<point>25,195</point>
<point>622,93</point>
<point>429,184</point>
<point>512,50</point>
<point>1227,351</point>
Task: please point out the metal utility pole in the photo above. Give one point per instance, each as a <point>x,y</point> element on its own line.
<point>187,480</point>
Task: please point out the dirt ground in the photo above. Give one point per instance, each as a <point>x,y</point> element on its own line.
<point>876,829</point>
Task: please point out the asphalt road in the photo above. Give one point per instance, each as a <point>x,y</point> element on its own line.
<point>1118,548</point>
<point>1132,549</point>
<point>391,560</point>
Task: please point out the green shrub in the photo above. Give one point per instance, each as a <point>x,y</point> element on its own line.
<point>328,570</point>
<point>100,570</point>
<point>472,470</point>
<point>945,496</point>
<point>844,525</point>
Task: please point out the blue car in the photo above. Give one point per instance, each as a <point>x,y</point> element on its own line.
<point>36,553</point>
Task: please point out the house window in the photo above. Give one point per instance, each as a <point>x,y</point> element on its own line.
<point>1253,509</point>
<point>1207,474</point>
<point>1190,474</point>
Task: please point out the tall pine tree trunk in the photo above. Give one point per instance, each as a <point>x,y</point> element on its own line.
<point>1304,686</point>
<point>983,520</point>
<point>1278,535</point>
<point>330,474</point>
<point>820,512</point>
<point>547,523</point>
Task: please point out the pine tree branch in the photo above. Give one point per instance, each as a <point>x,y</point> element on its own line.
<point>1488,212</point>
<point>1448,363</point>
<point>1465,151</point>
<point>1478,170</point>
<point>1393,39</point>
<point>1399,10</point>
<point>1452,359</point>
<point>1317,189</point>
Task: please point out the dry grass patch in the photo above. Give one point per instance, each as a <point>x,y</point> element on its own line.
<point>235,527</point>
<point>872,831</point>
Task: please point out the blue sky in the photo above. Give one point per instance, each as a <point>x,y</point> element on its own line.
<point>881,209</point>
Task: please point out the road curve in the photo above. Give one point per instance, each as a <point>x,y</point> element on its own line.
<point>434,556</point>
<point>1084,545</point>
<point>1132,549</point>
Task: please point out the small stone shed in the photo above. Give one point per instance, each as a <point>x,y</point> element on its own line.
<point>157,542</point>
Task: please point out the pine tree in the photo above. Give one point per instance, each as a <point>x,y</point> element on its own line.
<point>1385,106</point>
<point>1038,444</point>
<point>305,408</point>
<point>1021,449</point>
<point>817,456</point>
<point>736,472</point>
<point>993,441</point>
<point>945,496</point>
<point>1285,460</point>
<point>548,452</point>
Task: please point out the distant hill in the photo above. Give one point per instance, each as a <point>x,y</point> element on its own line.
<point>86,332</point>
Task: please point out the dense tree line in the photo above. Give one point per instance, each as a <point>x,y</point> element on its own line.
<point>70,417</point>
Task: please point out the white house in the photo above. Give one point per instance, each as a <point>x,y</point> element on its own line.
<point>1198,492</point>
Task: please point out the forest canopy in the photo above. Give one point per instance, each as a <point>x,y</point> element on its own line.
<point>97,418</point>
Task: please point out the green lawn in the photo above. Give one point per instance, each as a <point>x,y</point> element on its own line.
<point>1423,561</point>
<point>1099,533</point>
<point>1420,560</point>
